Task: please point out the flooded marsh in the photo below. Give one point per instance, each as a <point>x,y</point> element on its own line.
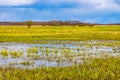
<point>56,54</point>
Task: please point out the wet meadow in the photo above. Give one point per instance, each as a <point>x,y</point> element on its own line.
<point>60,52</point>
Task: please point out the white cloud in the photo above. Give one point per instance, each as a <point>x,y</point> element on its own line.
<point>106,4</point>
<point>99,4</point>
<point>16,2</point>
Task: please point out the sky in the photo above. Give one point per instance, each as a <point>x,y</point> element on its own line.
<point>91,11</point>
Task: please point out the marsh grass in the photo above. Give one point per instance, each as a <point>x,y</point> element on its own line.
<point>32,50</point>
<point>40,34</point>
<point>4,53</point>
<point>16,54</point>
<point>97,69</point>
<point>34,56</point>
<point>27,63</point>
<point>81,65</point>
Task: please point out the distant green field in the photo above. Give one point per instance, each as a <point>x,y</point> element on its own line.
<point>72,33</point>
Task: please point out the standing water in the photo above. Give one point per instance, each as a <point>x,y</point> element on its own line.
<point>62,53</point>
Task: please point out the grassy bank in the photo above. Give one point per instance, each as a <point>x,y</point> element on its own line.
<point>72,33</point>
<point>98,69</point>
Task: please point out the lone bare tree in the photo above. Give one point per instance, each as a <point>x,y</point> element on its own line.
<point>29,23</point>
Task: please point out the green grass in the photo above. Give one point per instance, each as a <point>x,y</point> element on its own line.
<point>98,69</point>
<point>43,33</point>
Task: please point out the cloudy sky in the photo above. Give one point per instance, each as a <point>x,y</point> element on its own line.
<point>94,11</point>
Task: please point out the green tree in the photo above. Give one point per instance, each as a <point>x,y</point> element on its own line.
<point>29,23</point>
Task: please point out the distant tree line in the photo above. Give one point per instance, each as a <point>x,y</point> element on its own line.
<point>55,23</point>
<point>49,23</point>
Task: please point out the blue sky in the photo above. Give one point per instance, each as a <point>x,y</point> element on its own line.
<point>93,11</point>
